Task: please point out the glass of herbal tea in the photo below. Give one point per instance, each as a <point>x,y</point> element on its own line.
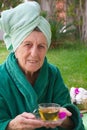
<point>49,111</point>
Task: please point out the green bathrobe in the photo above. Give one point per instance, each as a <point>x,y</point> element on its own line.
<point>17,95</point>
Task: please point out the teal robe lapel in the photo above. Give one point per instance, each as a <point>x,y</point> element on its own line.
<point>42,81</point>
<point>31,94</point>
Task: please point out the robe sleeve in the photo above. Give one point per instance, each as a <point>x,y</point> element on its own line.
<point>60,91</point>
<point>4,117</point>
<point>62,97</point>
<point>76,117</point>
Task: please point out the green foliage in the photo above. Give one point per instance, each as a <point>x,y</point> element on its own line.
<point>6,4</point>
<point>55,27</point>
<point>3,52</point>
<point>75,11</point>
<point>71,60</point>
<point>70,10</point>
<point>44,13</point>
<point>59,31</point>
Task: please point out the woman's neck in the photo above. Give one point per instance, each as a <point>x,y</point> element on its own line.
<point>31,77</point>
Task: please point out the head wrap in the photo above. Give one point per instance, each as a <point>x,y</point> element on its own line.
<point>19,22</point>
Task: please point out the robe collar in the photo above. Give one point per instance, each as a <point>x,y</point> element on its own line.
<point>32,94</point>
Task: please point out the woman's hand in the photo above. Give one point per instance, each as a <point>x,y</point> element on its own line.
<point>25,121</point>
<point>64,123</point>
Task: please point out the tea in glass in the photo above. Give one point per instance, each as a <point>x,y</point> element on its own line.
<point>49,111</point>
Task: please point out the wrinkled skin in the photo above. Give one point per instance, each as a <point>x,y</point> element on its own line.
<point>30,55</point>
<point>28,121</point>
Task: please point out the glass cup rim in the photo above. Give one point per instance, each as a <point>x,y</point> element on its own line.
<point>48,105</point>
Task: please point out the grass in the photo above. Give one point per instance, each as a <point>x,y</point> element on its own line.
<point>71,59</point>
<point>3,52</point>
<point>72,62</point>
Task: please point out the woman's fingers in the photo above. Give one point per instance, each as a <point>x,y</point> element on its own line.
<point>25,121</point>
<point>68,113</point>
<point>28,115</point>
<point>28,121</point>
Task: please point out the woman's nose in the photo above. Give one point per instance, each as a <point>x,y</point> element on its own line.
<point>34,51</point>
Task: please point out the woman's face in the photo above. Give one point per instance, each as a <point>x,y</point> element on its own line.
<point>31,52</point>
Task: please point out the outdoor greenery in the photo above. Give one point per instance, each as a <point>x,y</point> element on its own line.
<point>61,32</point>
<point>70,58</point>
<point>3,52</point>
<point>6,4</point>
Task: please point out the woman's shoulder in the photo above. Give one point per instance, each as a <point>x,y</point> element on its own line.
<point>53,68</point>
<point>3,73</point>
<point>2,68</point>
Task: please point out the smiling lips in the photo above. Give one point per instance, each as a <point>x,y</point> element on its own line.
<point>33,61</point>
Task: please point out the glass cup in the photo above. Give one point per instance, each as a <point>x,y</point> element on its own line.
<point>48,111</point>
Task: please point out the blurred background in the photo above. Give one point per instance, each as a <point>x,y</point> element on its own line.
<point>68,50</point>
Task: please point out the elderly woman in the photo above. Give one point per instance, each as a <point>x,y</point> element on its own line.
<point>26,78</point>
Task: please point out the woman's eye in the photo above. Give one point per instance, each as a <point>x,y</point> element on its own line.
<point>28,45</point>
<point>41,46</point>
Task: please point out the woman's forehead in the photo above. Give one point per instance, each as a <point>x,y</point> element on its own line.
<point>36,35</point>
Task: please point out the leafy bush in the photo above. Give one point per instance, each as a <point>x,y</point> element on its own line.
<point>44,13</point>
<point>6,4</point>
<point>60,31</point>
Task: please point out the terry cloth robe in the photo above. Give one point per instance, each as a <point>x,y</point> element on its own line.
<point>17,95</point>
